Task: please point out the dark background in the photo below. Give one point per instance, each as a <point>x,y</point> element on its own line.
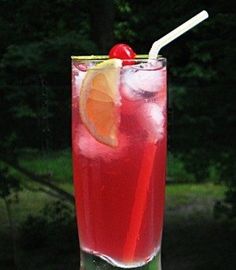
<point>37,39</point>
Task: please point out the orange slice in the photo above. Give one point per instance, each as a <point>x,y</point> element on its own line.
<point>99,101</point>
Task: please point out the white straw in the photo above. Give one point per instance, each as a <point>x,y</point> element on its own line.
<point>157,45</point>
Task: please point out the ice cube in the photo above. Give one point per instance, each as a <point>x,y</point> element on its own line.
<point>152,120</point>
<point>89,147</point>
<point>141,81</point>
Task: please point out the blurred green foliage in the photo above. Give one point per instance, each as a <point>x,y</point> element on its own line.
<point>38,38</point>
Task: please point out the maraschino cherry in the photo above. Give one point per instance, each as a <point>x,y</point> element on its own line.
<point>122,51</point>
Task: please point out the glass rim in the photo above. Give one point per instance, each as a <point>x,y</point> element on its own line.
<point>138,57</point>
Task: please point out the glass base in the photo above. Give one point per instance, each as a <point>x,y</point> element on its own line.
<point>92,262</point>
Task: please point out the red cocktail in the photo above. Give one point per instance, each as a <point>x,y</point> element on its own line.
<point>119,157</point>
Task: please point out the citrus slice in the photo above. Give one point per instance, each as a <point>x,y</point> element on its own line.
<point>99,101</point>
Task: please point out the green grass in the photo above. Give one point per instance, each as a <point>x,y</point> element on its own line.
<point>185,194</point>
<point>56,164</point>
<point>29,203</point>
<point>192,203</point>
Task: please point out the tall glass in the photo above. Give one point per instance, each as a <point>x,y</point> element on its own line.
<point>119,189</point>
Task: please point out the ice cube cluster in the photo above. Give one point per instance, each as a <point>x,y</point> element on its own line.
<point>144,84</point>
<point>141,81</point>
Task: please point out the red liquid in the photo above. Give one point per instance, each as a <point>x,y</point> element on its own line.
<point>107,181</point>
